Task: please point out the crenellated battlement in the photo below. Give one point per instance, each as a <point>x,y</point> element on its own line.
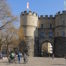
<point>60,13</point>
<point>29,13</point>
<point>42,16</point>
<point>64,12</point>
<point>46,16</point>
<point>51,16</point>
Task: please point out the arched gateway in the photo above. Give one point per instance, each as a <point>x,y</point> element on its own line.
<point>46,48</point>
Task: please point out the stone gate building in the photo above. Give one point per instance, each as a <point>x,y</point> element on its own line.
<point>44,29</point>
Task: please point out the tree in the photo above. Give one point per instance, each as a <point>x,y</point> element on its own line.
<point>10,39</point>
<point>6,23</point>
<point>23,47</point>
<point>21,34</point>
<point>5,14</point>
<point>11,36</point>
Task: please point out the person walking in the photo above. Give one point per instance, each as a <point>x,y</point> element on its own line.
<point>19,57</point>
<point>11,57</point>
<point>53,56</point>
<point>25,58</point>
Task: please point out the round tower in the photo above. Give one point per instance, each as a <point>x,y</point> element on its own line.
<point>60,34</point>
<point>28,21</point>
<point>60,24</point>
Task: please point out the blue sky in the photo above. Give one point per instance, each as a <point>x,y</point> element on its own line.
<point>42,7</point>
<point>45,7</point>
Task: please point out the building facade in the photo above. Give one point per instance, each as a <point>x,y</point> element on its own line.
<point>43,30</point>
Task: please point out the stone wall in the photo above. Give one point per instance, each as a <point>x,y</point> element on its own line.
<point>51,28</point>
<point>60,46</point>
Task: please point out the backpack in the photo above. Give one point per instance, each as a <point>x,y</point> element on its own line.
<point>12,55</point>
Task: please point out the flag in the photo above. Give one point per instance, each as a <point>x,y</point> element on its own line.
<point>27,5</point>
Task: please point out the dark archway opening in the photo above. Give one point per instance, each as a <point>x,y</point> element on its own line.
<point>46,49</point>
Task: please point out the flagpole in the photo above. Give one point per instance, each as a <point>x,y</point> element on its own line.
<point>28,7</point>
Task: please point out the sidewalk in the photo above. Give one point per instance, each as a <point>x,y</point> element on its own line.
<point>37,61</point>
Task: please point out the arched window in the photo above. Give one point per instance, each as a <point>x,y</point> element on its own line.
<point>41,25</point>
<point>63,33</point>
<point>57,33</point>
<point>63,22</point>
<point>50,34</point>
<point>42,34</point>
<point>50,26</point>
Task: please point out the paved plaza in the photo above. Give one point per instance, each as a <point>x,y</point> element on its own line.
<point>37,61</point>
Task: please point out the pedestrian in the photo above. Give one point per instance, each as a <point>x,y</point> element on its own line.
<point>19,57</point>
<point>25,58</point>
<point>65,56</point>
<point>15,57</point>
<point>12,57</point>
<point>0,55</point>
<point>53,56</point>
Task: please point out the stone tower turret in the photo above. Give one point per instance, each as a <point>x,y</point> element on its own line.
<point>28,21</point>
<point>60,23</point>
<point>60,34</point>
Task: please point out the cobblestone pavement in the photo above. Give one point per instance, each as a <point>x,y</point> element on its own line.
<point>37,61</point>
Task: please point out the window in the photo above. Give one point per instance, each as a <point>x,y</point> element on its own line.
<point>41,25</point>
<point>57,33</point>
<point>63,22</point>
<point>63,33</point>
<point>42,34</point>
<point>50,26</point>
<point>50,34</point>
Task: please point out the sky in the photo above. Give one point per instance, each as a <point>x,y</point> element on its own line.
<point>41,7</point>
